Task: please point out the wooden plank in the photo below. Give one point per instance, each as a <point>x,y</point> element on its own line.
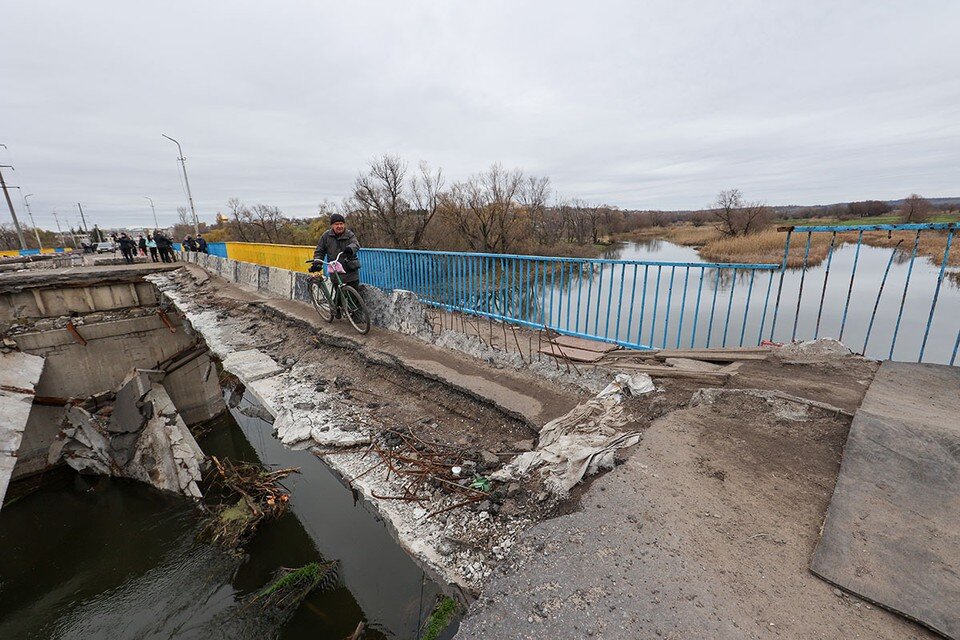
<point>689,364</point>
<point>569,353</point>
<point>584,344</point>
<point>892,530</point>
<point>714,355</point>
<point>672,372</point>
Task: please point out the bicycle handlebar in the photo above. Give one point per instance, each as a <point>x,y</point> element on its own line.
<point>315,261</point>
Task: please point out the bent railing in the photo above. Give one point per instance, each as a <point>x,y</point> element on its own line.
<point>890,321</point>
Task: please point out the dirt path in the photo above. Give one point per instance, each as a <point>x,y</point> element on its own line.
<point>705,532</point>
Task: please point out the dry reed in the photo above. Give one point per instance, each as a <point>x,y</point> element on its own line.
<point>767,245</point>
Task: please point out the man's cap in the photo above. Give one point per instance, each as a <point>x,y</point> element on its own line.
<point>337,217</point>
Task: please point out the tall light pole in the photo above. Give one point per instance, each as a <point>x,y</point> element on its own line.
<point>84,220</point>
<point>32,223</point>
<point>156,225</point>
<point>183,164</point>
<point>13,214</point>
<point>59,230</point>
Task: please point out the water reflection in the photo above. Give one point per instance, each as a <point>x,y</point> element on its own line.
<point>103,558</point>
<point>706,302</point>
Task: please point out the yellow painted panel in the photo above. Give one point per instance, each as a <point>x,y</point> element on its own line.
<point>285,256</point>
<point>9,253</point>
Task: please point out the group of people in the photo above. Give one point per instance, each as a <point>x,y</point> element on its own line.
<point>198,244</point>
<point>157,245</point>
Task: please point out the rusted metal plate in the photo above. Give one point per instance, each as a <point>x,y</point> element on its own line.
<point>892,531</point>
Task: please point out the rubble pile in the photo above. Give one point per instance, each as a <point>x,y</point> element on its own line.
<point>139,436</point>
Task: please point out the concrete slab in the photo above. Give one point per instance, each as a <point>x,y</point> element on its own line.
<point>7,463</point>
<point>266,391</point>
<point>892,531</point>
<point>19,374</point>
<point>280,282</point>
<point>248,275</point>
<point>301,287</point>
<point>228,270</point>
<point>215,264</point>
<point>251,365</point>
<point>14,412</point>
<point>20,370</point>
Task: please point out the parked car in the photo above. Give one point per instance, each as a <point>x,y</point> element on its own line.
<point>106,247</point>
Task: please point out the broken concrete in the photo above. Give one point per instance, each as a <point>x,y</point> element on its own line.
<point>307,407</point>
<point>399,311</point>
<point>143,438</point>
<point>809,351</point>
<point>251,365</point>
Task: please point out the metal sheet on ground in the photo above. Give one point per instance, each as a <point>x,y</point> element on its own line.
<point>892,530</point>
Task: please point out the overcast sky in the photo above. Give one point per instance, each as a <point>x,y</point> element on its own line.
<point>635,104</point>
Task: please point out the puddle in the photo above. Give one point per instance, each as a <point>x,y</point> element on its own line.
<point>98,557</point>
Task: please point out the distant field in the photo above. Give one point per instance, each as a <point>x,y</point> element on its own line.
<point>767,246</point>
<point>887,219</point>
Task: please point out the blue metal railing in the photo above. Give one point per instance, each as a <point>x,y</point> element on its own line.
<point>918,228</point>
<point>653,304</point>
<point>573,296</point>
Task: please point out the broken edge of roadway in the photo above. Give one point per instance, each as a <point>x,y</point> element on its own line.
<point>19,373</point>
<point>517,394</point>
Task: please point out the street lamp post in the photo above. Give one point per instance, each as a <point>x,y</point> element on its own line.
<point>156,225</point>
<point>84,220</point>
<point>32,223</point>
<point>183,164</point>
<point>13,214</point>
<point>63,242</point>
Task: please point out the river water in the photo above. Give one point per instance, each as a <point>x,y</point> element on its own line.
<point>647,320</point>
<point>101,558</point>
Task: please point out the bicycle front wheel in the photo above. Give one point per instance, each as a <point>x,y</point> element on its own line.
<point>355,309</point>
<point>320,299</point>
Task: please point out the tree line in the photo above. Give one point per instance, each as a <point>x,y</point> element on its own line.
<point>398,205</point>
<point>393,204</point>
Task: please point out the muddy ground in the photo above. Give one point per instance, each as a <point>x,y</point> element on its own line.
<point>706,531</point>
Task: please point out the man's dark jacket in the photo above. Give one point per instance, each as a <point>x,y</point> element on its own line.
<point>331,244</point>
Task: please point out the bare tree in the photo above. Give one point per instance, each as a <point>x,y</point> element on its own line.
<point>533,197</point>
<point>396,203</point>
<point>915,209</point>
<point>270,221</point>
<point>485,210</point>
<point>239,214</point>
<point>426,190</point>
<point>183,216</point>
<point>734,217</point>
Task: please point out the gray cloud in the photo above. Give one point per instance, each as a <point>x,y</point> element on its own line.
<point>637,104</point>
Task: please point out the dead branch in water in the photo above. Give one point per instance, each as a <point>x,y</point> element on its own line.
<point>248,494</point>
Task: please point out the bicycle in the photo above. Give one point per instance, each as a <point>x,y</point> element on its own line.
<point>338,295</point>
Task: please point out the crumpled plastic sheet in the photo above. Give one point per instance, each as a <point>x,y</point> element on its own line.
<point>582,442</point>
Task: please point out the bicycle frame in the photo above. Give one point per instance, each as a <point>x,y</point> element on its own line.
<point>332,294</point>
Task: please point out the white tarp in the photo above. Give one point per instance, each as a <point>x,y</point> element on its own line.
<point>583,441</point>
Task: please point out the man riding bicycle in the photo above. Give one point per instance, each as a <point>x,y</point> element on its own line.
<point>335,240</point>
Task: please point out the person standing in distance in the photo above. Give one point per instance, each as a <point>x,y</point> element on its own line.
<point>335,240</point>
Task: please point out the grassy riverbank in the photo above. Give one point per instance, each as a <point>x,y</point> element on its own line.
<point>767,246</point>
